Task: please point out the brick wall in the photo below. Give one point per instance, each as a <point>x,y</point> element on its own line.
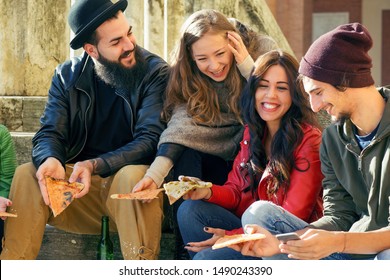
<point>295,18</point>
<point>353,7</point>
<point>385,47</point>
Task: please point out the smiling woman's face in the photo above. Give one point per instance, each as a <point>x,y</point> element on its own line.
<point>273,97</point>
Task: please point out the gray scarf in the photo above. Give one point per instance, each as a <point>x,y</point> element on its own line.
<point>220,140</point>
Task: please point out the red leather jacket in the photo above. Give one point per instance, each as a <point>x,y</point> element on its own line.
<point>304,195</point>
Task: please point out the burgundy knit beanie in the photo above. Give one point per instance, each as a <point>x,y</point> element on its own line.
<point>340,56</point>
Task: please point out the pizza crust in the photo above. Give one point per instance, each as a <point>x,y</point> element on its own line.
<point>61,193</point>
<point>142,195</point>
<point>6,214</point>
<point>229,240</point>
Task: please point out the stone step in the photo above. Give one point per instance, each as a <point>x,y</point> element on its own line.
<point>21,113</point>
<point>23,145</point>
<point>61,245</point>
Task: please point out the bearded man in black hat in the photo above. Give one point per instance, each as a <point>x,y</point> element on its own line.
<point>100,127</point>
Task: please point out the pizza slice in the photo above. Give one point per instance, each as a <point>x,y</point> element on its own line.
<point>142,195</point>
<point>61,193</point>
<point>229,240</point>
<point>176,189</point>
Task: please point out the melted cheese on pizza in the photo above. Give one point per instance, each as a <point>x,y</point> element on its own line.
<point>61,193</point>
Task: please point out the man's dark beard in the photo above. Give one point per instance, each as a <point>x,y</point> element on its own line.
<point>118,76</point>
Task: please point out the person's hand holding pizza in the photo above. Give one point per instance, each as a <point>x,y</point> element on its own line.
<point>4,203</point>
<point>264,247</point>
<point>199,246</point>
<point>145,183</point>
<point>82,172</point>
<point>51,167</point>
<point>198,193</point>
<point>187,187</point>
<point>56,191</point>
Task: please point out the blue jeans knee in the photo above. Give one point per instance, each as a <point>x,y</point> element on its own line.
<point>272,217</point>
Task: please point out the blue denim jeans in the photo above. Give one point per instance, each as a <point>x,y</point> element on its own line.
<point>277,220</point>
<point>194,215</point>
<point>204,166</point>
<point>384,255</point>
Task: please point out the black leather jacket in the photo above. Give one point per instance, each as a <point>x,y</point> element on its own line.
<point>67,116</point>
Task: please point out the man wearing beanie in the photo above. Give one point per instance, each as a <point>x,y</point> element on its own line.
<point>100,127</point>
<point>355,158</point>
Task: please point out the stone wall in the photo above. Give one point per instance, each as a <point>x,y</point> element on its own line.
<point>163,23</point>
<point>33,40</point>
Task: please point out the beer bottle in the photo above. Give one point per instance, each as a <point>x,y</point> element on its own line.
<point>105,250</point>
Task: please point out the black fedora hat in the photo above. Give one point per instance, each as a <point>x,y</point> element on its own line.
<point>87,15</point>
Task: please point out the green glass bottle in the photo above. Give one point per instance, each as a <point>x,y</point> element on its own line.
<point>105,250</point>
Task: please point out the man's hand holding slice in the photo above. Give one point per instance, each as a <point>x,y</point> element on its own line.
<point>176,189</point>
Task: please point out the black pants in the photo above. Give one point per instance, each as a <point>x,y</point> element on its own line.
<point>203,166</point>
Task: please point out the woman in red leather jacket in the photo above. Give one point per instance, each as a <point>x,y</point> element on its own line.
<point>278,161</point>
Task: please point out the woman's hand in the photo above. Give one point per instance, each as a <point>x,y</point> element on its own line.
<point>198,193</point>
<point>237,47</point>
<point>145,183</point>
<point>199,246</point>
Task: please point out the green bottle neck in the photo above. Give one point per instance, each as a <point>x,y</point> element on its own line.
<point>105,228</point>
